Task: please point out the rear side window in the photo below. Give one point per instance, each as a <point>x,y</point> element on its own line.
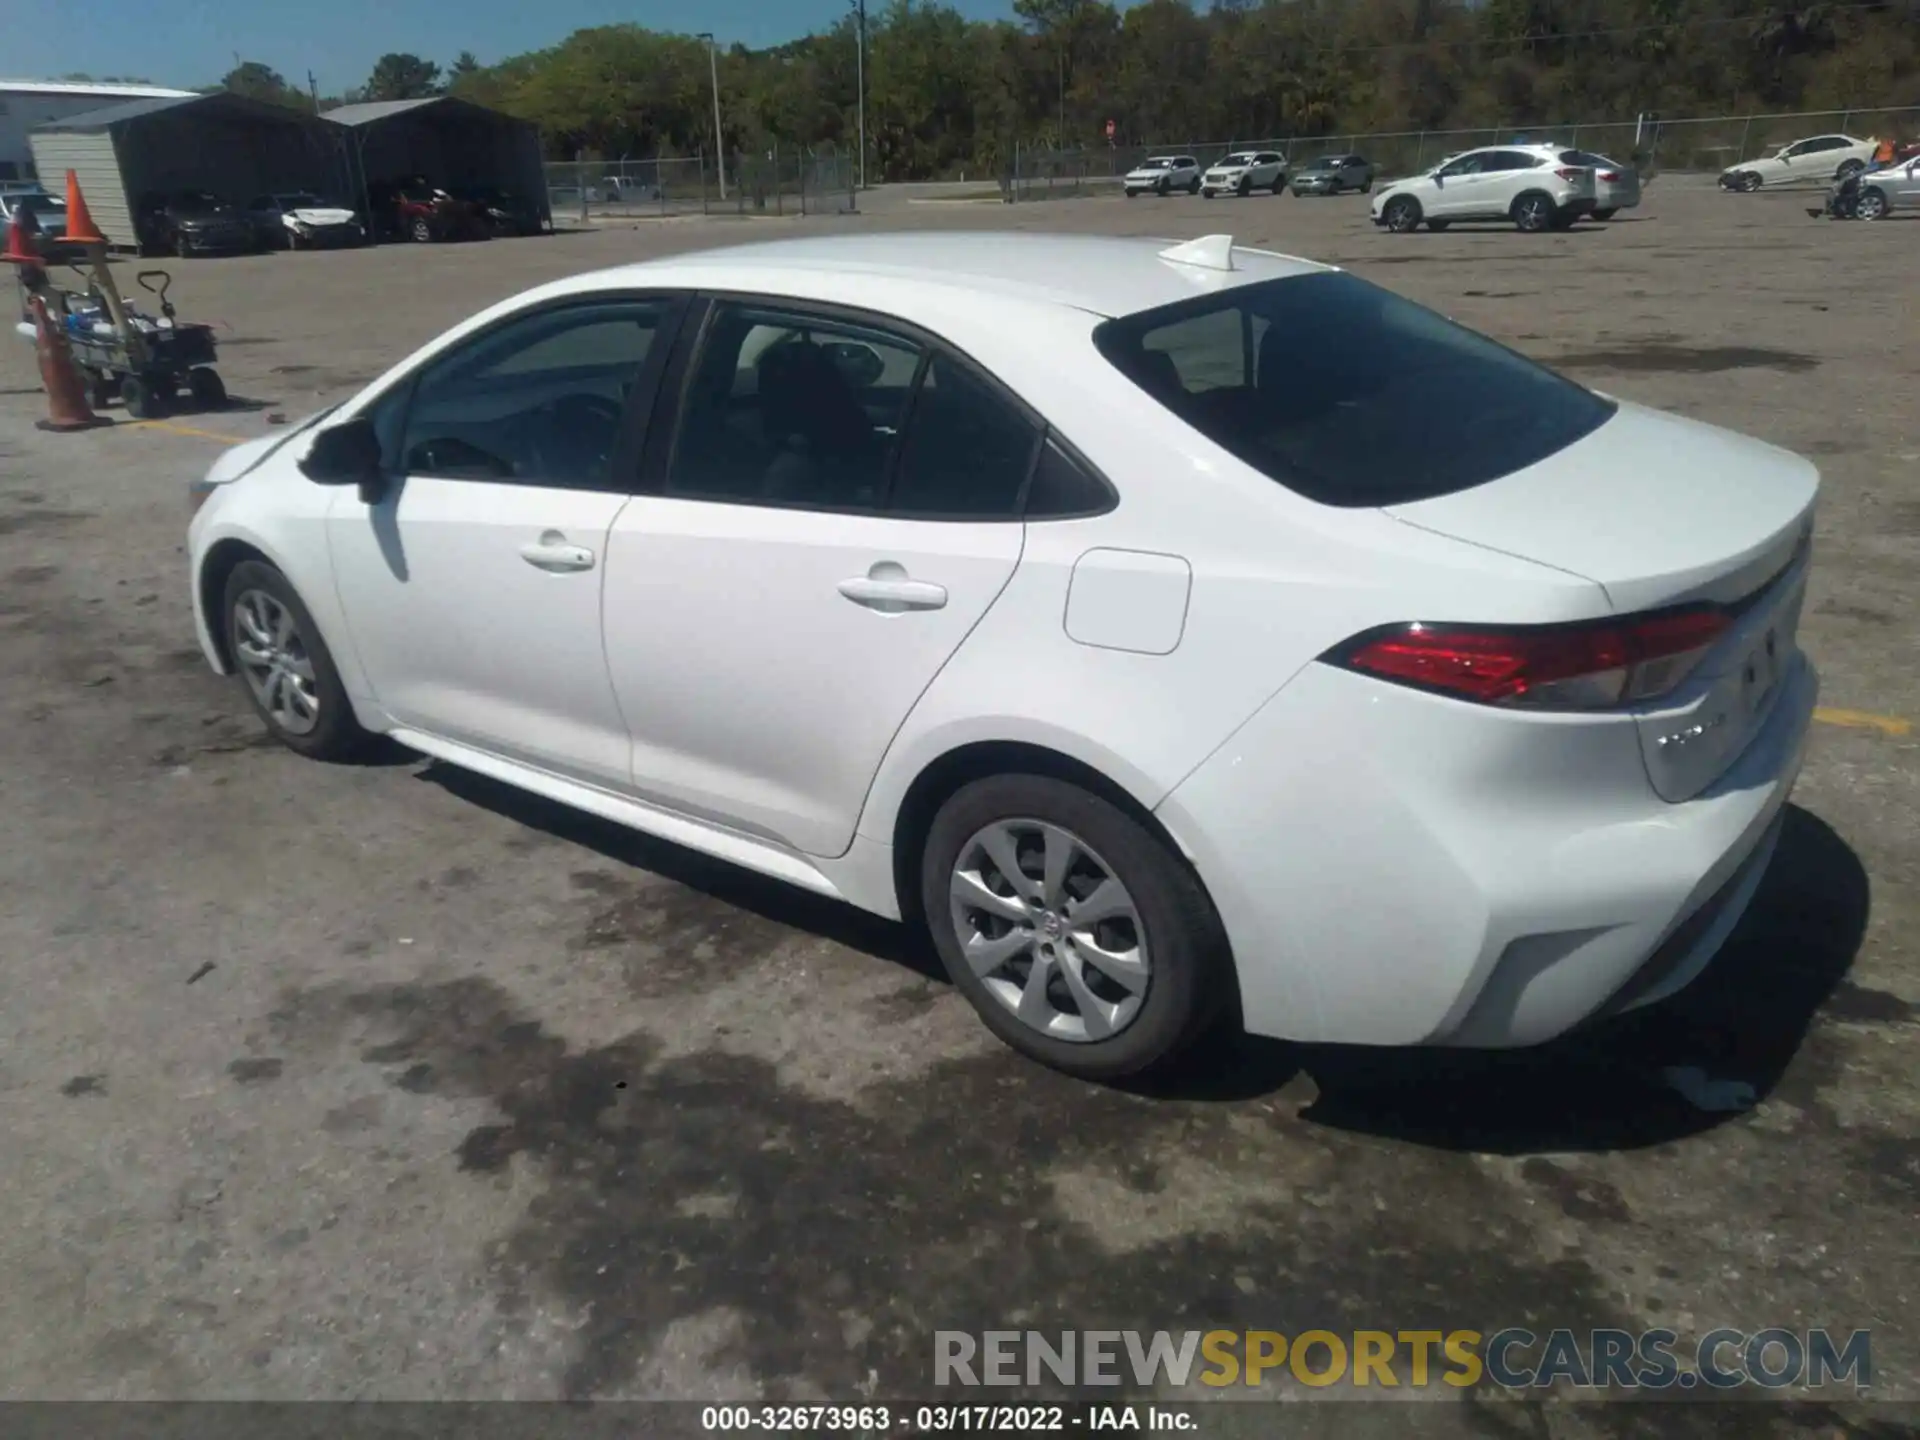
<point>1347,394</point>
<point>967,450</point>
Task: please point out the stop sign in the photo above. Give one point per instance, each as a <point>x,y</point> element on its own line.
<point>1109,129</point>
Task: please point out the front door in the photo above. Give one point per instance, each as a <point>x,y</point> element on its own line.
<point>1457,186</point>
<point>472,586</point>
<point>840,509</point>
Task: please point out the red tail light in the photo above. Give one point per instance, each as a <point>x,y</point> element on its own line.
<point>1607,175</point>
<point>1568,172</point>
<point>1558,667</point>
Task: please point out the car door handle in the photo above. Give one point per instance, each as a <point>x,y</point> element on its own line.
<point>552,553</point>
<point>891,596</point>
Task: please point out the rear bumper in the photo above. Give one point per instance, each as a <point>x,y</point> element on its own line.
<point>1395,868</point>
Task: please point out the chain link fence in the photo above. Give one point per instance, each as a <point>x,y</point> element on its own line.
<point>776,181</point>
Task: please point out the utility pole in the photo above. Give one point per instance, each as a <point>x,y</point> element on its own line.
<point>1063,97</point>
<point>860,74</point>
<point>313,92</point>
<point>713,69</point>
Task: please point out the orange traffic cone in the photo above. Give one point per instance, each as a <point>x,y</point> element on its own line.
<point>80,227</point>
<point>20,235</point>
<point>67,407</point>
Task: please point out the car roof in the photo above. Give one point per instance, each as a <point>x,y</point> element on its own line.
<point>1102,274</point>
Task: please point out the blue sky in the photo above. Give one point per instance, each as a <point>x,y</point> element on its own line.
<point>192,42</point>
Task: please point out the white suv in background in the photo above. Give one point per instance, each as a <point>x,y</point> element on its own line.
<point>1162,174</point>
<point>1244,172</point>
<point>1537,187</point>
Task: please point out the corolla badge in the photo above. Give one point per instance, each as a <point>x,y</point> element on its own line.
<point>1692,733</point>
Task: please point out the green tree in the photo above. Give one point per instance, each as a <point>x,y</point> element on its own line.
<point>257,81</point>
<point>403,77</point>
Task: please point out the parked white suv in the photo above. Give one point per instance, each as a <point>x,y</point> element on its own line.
<point>1821,160</point>
<point>1162,174</point>
<point>1538,187</point>
<point>1244,172</point>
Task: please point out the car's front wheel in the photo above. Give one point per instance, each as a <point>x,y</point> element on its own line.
<point>1401,215</point>
<point>1872,205</point>
<point>288,670</point>
<point>422,232</point>
<point>1081,938</point>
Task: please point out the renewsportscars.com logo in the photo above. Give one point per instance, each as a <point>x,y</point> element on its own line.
<point>1515,1359</point>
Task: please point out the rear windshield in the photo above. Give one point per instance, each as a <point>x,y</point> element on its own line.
<point>1347,394</point>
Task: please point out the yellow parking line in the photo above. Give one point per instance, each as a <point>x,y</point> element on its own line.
<point>174,429</point>
<point>1864,720</point>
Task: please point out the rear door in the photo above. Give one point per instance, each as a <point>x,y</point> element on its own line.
<point>838,508</point>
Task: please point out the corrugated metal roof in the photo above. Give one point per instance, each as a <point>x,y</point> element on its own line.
<point>75,87</point>
<point>378,110</point>
<point>112,115</point>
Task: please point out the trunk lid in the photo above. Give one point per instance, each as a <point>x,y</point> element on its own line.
<point>1661,511</point>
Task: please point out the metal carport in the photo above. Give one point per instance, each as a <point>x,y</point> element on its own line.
<point>227,144</point>
<point>447,141</point>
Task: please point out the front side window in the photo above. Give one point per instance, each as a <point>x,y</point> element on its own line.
<point>537,401</point>
<point>1347,394</point>
<point>1465,165</point>
<point>786,408</point>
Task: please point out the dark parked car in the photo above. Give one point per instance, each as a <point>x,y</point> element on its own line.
<point>301,220</point>
<point>1330,174</point>
<point>193,222</point>
<point>504,212</point>
<point>416,209</point>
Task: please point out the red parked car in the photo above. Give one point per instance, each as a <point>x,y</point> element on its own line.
<point>415,209</point>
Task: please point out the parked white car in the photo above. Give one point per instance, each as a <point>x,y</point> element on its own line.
<point>1244,172</point>
<point>1895,187</point>
<point>1820,160</point>
<point>1157,627</point>
<point>1163,174</point>
<point>1537,187</point>
<point>1616,187</point>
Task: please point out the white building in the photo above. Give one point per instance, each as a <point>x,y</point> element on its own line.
<point>27,103</point>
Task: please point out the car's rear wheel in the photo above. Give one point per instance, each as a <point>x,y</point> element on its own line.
<point>1872,205</point>
<point>1402,214</point>
<point>1849,168</point>
<point>421,231</point>
<point>1533,212</point>
<point>1081,938</point>
<point>1606,214</point>
<point>289,672</point>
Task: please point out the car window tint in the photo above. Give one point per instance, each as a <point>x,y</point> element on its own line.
<point>968,449</point>
<point>1355,397</point>
<point>786,408</point>
<point>538,401</point>
<point>1465,165</point>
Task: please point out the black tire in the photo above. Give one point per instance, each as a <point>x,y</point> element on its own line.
<point>1194,188</point>
<point>421,231</point>
<point>337,733</point>
<point>1606,214</point>
<point>1872,204</point>
<point>1438,226</point>
<point>209,391</point>
<point>180,246</point>
<point>1562,220</point>
<point>1280,184</point>
<point>1187,949</point>
<point>1401,215</point>
<point>138,398</point>
<point>1245,188</point>
<point>1849,168</point>
<point>1206,194</point>
<point>1162,190</point>
<point>1746,182</point>
<point>1532,212</point>
<point>1367,188</point>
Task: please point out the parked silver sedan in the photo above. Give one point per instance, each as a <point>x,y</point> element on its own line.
<point>1892,187</point>
<point>1616,187</point>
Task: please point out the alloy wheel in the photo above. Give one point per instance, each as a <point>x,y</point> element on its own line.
<point>1871,206</point>
<point>273,657</point>
<point>1533,213</point>
<point>1049,930</point>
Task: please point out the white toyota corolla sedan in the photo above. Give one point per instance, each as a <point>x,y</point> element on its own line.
<point>1163,628</point>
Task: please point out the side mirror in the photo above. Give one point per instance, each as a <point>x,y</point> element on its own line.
<point>346,454</point>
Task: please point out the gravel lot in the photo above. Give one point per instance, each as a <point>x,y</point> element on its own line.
<point>386,1082</point>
